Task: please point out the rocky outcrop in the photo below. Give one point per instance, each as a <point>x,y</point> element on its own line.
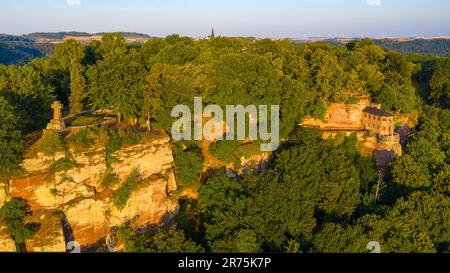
<point>256,163</point>
<point>383,148</point>
<point>346,120</point>
<point>152,159</point>
<point>3,193</point>
<point>87,221</point>
<point>148,205</point>
<point>86,205</point>
<point>49,237</point>
<point>40,162</point>
<point>339,116</point>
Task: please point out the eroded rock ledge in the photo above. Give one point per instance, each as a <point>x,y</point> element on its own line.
<point>82,206</point>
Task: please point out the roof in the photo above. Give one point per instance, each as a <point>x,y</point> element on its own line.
<point>377,112</point>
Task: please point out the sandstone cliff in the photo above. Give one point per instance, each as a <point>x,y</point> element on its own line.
<point>84,206</point>
<point>346,119</point>
<point>340,116</point>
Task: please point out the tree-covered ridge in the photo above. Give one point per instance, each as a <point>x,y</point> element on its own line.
<point>14,38</point>
<point>316,195</point>
<point>19,53</point>
<point>54,35</point>
<point>63,34</point>
<point>145,82</point>
<point>439,47</point>
<point>20,50</point>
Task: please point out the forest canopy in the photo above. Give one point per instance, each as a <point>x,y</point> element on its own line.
<point>316,195</point>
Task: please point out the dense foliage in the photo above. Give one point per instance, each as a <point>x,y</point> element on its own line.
<point>170,241</point>
<point>19,53</point>
<point>14,214</point>
<point>11,143</point>
<point>315,196</point>
<point>440,47</point>
<point>189,164</point>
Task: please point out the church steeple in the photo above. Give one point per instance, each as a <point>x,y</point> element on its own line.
<point>212,33</point>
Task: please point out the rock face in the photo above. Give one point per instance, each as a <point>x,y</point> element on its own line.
<point>85,205</point>
<point>339,116</point>
<point>49,237</point>
<point>256,163</point>
<point>6,242</point>
<point>383,148</point>
<point>347,119</point>
<point>151,159</point>
<point>147,206</point>
<point>3,193</point>
<point>41,162</point>
<point>87,221</point>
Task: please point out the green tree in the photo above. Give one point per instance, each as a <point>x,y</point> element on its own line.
<point>170,241</point>
<point>77,88</point>
<point>408,173</point>
<point>52,143</point>
<point>117,82</point>
<point>441,182</point>
<point>420,223</point>
<point>333,238</point>
<point>188,165</point>
<point>440,82</point>
<point>11,142</point>
<point>14,214</point>
<point>69,56</point>
<point>29,94</point>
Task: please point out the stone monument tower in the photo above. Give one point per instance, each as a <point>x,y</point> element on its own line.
<point>57,123</point>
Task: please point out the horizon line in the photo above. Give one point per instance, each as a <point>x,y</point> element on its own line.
<point>306,37</point>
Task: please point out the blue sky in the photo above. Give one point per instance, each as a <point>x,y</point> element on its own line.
<point>258,18</point>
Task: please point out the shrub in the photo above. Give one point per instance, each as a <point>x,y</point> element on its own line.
<point>318,110</point>
<point>62,165</point>
<point>171,241</point>
<point>114,142</point>
<point>226,151</point>
<point>14,213</point>
<point>52,143</point>
<point>54,192</point>
<point>352,100</point>
<point>188,165</point>
<point>109,179</point>
<point>121,197</point>
<point>83,140</point>
<point>118,138</point>
<point>11,141</point>
<point>232,151</point>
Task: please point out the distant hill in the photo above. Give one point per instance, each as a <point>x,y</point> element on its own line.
<point>13,38</point>
<point>21,50</point>
<point>62,35</point>
<point>19,53</point>
<point>129,35</point>
<point>55,35</point>
<point>440,47</point>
